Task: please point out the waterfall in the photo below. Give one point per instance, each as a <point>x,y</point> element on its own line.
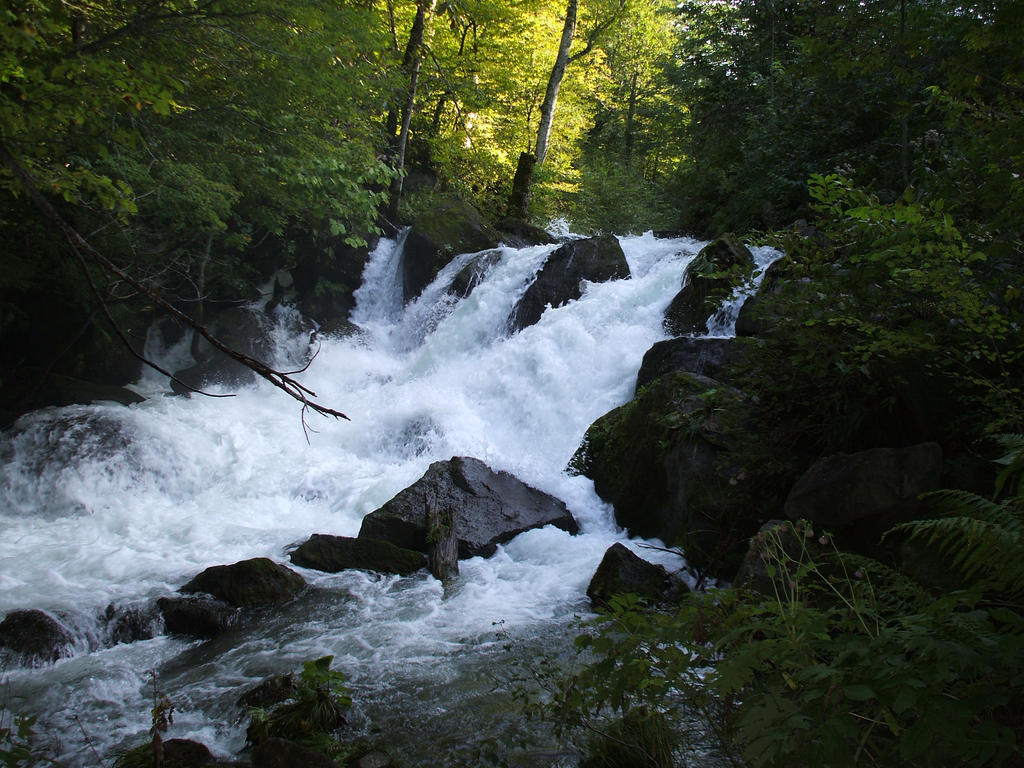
<point>106,505</point>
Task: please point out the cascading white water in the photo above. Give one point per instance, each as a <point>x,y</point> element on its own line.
<point>110,505</point>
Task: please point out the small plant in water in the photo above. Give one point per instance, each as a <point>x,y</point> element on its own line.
<point>311,713</point>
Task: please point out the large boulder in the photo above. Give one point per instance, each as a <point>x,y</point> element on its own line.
<point>719,267</point>
<point>34,637</point>
<point>863,494</point>
<point>449,227</point>
<point>331,554</point>
<point>623,572</point>
<point>704,357</point>
<point>561,279</point>
<point>249,583</point>
<point>178,753</point>
<point>666,462</point>
<point>487,508</point>
<point>775,542</point>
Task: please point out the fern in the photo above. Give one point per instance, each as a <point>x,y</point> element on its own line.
<point>984,538</point>
<point>1010,478</point>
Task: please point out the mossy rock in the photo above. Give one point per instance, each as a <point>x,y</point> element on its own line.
<point>259,581</point>
<point>666,461</point>
<point>720,266</point>
<point>178,753</point>
<point>448,227</point>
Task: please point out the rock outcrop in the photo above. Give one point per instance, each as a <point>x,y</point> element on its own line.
<point>863,494</point>
<point>487,508</point>
<point>561,279</point>
<point>449,227</point>
<point>664,460</point>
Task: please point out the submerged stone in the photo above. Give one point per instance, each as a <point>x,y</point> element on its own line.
<point>35,637</point>
<point>258,581</point>
<point>196,616</point>
<point>331,554</point>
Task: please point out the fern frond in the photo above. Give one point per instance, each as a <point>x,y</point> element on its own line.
<point>959,503</point>
<point>979,548</point>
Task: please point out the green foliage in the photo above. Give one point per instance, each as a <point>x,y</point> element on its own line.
<point>890,327</point>
<point>843,661</point>
<point>614,197</point>
<point>311,714</point>
<point>16,749</point>
<point>983,538</point>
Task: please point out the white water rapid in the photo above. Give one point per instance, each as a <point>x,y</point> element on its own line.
<point>109,505</point>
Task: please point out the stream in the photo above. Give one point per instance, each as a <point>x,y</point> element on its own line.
<point>104,508</point>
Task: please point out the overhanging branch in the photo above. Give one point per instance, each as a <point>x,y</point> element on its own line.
<point>85,254</point>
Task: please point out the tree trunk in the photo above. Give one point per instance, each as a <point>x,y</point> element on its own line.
<point>411,63</point>
<point>631,115</point>
<point>519,199</point>
<point>443,555</point>
<point>547,109</point>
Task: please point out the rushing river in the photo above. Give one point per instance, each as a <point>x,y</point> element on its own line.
<point>106,505</point>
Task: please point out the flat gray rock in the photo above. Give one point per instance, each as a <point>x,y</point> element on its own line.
<point>487,508</point>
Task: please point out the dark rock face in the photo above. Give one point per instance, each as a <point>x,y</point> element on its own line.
<point>471,275</point>
<point>34,637</point>
<point>281,753</point>
<point>448,228</point>
<point>338,553</point>
<point>128,624</point>
<point>240,329</point>
<point>774,537</point>
<point>259,581</point>
<point>597,260</point>
<point>884,483</point>
<point>196,616</point>
<point>756,316</point>
<point>623,572</point>
<point>704,357</point>
<point>178,753</point>
<point>701,294</point>
<point>185,753</point>
<point>487,508</point>
<point>664,461</point>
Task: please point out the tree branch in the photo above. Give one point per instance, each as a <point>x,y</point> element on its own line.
<point>85,254</point>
